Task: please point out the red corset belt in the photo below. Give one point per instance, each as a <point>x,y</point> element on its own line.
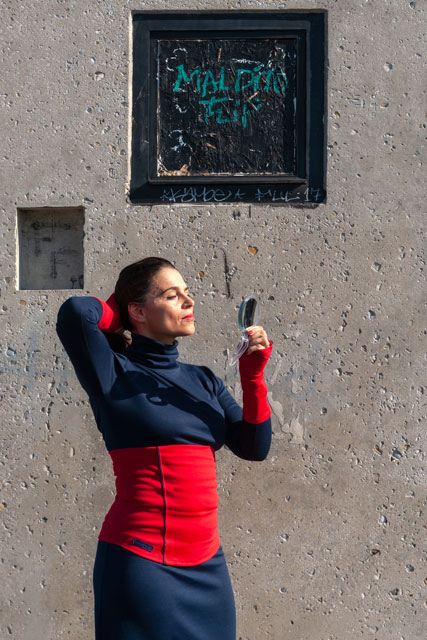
<point>166,503</point>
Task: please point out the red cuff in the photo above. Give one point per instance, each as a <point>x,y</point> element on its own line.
<point>252,366</point>
<point>255,405</point>
<point>110,320</point>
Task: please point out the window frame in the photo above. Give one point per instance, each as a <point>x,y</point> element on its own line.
<point>306,186</point>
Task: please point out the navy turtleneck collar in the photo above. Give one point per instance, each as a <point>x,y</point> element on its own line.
<point>152,353</point>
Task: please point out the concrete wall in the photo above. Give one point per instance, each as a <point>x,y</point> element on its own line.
<point>325,539</point>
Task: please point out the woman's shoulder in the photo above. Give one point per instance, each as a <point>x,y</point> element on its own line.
<point>205,375</point>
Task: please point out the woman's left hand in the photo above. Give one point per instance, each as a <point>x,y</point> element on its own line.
<point>257,339</point>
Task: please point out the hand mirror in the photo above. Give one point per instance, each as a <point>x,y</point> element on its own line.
<point>247,317</point>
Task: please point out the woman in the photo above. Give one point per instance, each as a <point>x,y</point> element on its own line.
<point>160,572</point>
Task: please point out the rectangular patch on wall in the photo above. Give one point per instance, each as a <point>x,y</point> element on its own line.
<point>50,248</point>
<point>228,108</point>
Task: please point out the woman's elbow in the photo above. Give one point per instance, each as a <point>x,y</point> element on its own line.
<point>258,453</point>
<point>261,455</point>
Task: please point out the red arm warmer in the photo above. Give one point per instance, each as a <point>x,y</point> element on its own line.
<point>255,406</point>
<point>110,320</point>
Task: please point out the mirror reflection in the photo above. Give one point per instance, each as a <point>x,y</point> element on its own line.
<point>247,317</point>
<point>248,313</point>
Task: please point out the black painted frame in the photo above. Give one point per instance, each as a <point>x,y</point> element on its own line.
<point>307,186</point>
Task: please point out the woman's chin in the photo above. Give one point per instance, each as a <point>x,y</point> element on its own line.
<point>189,330</point>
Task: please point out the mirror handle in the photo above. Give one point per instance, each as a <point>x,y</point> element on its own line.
<point>241,348</point>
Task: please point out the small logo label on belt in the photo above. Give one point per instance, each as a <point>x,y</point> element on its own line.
<point>142,544</point>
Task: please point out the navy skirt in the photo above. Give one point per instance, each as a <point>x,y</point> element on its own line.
<point>138,599</point>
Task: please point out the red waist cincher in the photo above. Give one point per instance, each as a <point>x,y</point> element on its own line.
<point>166,503</point>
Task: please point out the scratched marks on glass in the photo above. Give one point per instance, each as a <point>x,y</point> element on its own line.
<point>226,107</point>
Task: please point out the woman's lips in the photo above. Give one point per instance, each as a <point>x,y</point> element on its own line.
<point>189,317</point>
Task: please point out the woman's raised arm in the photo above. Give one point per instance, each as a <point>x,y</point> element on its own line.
<point>249,431</point>
<point>79,327</point>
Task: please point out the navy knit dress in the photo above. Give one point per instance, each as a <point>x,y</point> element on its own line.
<point>151,407</point>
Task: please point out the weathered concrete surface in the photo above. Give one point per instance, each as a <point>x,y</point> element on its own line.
<point>325,540</point>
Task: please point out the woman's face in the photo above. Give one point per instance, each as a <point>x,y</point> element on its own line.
<point>168,308</point>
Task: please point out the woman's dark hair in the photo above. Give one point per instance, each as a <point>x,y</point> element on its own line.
<point>133,284</point>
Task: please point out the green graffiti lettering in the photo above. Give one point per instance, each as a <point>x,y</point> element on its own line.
<point>255,105</point>
<point>238,86</point>
<point>209,104</point>
<point>268,75</point>
<point>183,77</point>
<point>222,86</point>
<point>209,79</point>
<point>257,77</point>
<point>206,83</point>
<point>235,114</point>
<point>219,117</point>
<point>280,82</point>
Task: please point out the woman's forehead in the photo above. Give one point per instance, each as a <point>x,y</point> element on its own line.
<point>166,278</point>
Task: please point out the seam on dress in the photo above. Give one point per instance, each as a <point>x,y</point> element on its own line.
<point>164,504</point>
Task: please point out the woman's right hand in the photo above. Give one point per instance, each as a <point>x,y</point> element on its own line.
<point>253,361</point>
<point>257,339</point>
<point>110,320</point>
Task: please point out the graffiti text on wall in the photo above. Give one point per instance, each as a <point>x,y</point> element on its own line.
<point>215,194</point>
<point>226,106</point>
<point>229,86</point>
